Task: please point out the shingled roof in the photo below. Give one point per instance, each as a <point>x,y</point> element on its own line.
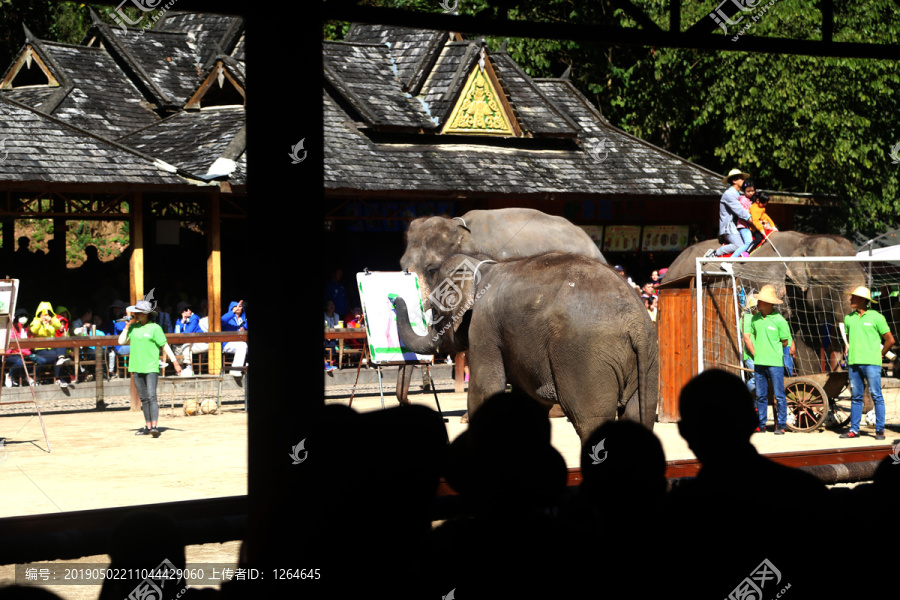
<point>211,33</point>
<point>38,147</point>
<point>566,146</point>
<point>195,140</point>
<point>166,65</point>
<point>94,93</point>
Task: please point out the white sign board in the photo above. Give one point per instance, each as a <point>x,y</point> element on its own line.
<point>376,289</point>
<point>9,289</point>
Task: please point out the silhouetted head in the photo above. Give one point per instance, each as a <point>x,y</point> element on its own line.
<point>90,253</point>
<point>508,434</point>
<point>623,460</point>
<point>24,242</point>
<point>717,414</point>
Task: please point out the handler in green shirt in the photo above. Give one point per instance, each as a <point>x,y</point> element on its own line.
<point>769,334</point>
<point>146,339</point>
<point>865,331</point>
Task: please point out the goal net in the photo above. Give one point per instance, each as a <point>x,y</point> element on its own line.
<point>815,295</point>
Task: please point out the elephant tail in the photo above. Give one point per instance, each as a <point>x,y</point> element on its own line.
<point>642,406</point>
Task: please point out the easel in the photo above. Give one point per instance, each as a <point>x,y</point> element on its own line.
<point>377,291</point>
<point>9,291</point>
<point>365,356</point>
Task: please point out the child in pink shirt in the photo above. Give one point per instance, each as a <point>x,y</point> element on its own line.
<point>743,226</point>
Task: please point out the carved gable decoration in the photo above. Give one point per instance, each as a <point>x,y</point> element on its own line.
<point>482,108</point>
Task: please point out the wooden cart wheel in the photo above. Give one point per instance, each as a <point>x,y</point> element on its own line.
<point>807,402</point>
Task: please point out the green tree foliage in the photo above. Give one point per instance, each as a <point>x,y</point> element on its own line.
<point>797,123</point>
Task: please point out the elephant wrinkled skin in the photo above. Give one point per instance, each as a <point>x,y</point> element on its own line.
<point>496,234</point>
<point>560,327</point>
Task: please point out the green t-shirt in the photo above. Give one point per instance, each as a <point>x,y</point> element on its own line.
<point>767,334</point>
<point>745,328</point>
<point>145,342</point>
<point>864,333</point>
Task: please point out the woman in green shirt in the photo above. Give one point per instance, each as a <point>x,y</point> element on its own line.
<point>145,339</point>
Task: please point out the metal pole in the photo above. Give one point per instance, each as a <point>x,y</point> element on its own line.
<point>699,335</point>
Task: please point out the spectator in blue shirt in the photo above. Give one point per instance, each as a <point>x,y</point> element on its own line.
<point>187,322</point>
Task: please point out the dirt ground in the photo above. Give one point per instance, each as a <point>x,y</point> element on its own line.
<point>97,461</point>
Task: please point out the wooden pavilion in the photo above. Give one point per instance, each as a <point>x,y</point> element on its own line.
<point>147,129</point>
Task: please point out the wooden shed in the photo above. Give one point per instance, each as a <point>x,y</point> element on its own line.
<point>679,342</point>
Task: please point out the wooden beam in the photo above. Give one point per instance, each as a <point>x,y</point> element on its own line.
<point>705,35</point>
<point>214,278</point>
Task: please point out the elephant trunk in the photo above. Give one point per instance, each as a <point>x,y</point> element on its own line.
<point>420,344</point>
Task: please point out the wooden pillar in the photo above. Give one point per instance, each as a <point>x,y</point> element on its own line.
<point>459,372</point>
<point>136,266</point>
<point>214,278</point>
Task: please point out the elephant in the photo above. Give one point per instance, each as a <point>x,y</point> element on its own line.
<point>815,294</point>
<point>563,328</point>
<point>498,234</point>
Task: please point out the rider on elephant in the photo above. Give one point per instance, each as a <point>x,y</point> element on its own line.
<point>730,209</point>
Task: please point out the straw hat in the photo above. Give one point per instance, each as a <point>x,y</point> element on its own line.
<point>862,292</point>
<point>734,172</point>
<point>767,294</point>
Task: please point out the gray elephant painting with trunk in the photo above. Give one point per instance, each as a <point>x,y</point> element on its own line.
<point>496,234</point>
<point>815,294</point>
<point>562,328</point>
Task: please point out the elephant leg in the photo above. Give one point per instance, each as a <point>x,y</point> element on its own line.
<point>588,397</point>
<point>486,377</point>
<point>404,375</point>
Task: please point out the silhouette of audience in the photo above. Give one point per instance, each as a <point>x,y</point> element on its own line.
<point>740,502</point>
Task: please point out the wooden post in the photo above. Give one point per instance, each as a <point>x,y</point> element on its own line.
<point>459,372</point>
<point>214,279</point>
<point>136,266</point>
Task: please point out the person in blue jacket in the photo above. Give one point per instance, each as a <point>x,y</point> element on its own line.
<point>187,322</point>
<point>235,319</point>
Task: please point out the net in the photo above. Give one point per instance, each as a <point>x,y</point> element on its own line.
<point>815,295</point>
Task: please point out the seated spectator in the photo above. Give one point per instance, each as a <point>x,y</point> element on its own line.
<point>238,349</point>
<point>47,324</point>
<point>354,319</point>
<point>86,318</point>
<point>235,319</point>
<point>118,326</point>
<point>648,290</point>
<point>655,278</point>
<point>735,490</point>
<point>115,312</point>
<point>164,319</point>
<point>187,322</point>
<point>15,361</point>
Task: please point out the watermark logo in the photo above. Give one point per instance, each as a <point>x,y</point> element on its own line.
<point>3,449</point>
<point>447,296</point>
<point>155,580</point>
<point>595,453</point>
<point>295,452</point>
<point>598,151</point>
<point>119,16</point>
<point>296,159</point>
<point>450,595</point>
<point>895,457</point>
<point>450,9</point>
<point>751,588</point>
<point>150,300</point>
<point>4,153</point>
<point>895,153</point>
